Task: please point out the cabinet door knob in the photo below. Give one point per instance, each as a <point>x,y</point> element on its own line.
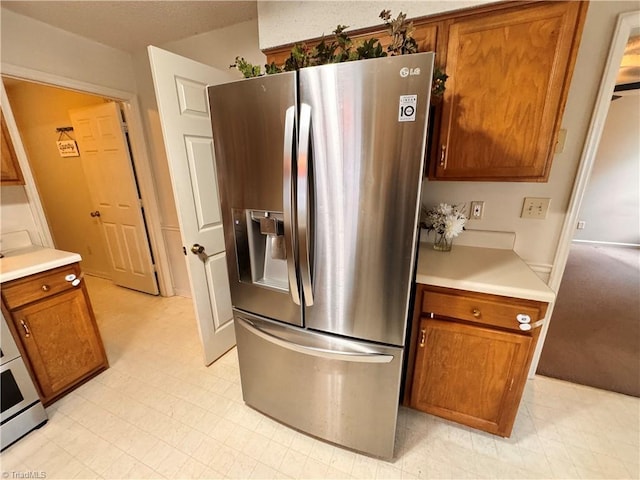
<point>423,336</point>
<point>27,332</point>
<point>45,288</point>
<point>476,313</point>
<point>95,214</point>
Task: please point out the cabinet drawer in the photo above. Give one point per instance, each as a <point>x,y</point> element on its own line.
<point>482,309</point>
<point>36,287</point>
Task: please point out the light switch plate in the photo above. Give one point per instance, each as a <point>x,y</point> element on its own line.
<point>534,207</point>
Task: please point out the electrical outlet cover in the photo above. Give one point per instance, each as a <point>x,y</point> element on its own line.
<point>476,210</point>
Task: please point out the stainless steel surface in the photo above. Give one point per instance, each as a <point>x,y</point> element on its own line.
<point>8,348</point>
<point>248,123</point>
<point>287,198</point>
<point>304,219</point>
<point>351,403</point>
<point>17,427</point>
<point>337,153</point>
<point>21,410</point>
<point>367,169</point>
<point>323,347</point>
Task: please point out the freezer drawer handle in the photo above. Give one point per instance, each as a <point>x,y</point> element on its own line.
<point>289,132</point>
<point>353,356</point>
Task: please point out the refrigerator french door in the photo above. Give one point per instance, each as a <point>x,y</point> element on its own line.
<point>319,176</point>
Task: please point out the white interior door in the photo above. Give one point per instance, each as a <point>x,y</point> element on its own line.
<point>180,85</point>
<point>106,161</point>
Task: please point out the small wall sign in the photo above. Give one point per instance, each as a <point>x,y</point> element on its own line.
<point>68,148</point>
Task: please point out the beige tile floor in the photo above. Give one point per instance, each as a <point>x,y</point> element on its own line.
<point>159,413</point>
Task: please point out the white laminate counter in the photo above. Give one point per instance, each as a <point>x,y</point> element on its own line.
<point>486,270</point>
<point>27,261</point>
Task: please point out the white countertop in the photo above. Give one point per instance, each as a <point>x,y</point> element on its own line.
<point>27,261</point>
<point>486,270</point>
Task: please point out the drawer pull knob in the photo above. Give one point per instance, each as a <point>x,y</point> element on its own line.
<point>423,337</point>
<point>525,327</point>
<point>523,318</point>
<point>27,332</point>
<point>476,313</point>
<point>45,288</point>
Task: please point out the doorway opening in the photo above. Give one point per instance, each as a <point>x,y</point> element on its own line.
<point>72,189</point>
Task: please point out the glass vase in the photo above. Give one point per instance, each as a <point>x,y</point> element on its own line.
<point>442,243</point>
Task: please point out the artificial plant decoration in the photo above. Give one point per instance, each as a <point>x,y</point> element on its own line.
<point>401,32</point>
<point>340,48</point>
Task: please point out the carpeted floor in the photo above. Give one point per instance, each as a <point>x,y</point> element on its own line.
<point>594,335</point>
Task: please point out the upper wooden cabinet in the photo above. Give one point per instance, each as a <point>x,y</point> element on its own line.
<point>11,173</point>
<point>509,66</point>
<point>509,74</point>
<point>425,36</point>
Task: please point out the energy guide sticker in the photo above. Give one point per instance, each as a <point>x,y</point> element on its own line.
<point>407,109</point>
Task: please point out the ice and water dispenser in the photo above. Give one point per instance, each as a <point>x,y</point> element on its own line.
<point>260,248</point>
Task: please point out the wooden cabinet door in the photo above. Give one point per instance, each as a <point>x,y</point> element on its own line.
<point>10,172</point>
<point>470,374</point>
<point>62,342</point>
<point>509,73</point>
<point>425,35</point>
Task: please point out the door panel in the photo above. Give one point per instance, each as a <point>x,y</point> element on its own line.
<point>366,169</point>
<point>106,162</point>
<point>180,86</point>
<point>467,373</point>
<point>353,383</point>
<point>249,119</point>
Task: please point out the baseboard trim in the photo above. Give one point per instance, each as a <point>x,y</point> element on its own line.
<point>608,244</point>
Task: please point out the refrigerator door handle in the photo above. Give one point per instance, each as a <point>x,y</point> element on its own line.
<point>289,140</point>
<point>303,202</point>
<point>340,355</point>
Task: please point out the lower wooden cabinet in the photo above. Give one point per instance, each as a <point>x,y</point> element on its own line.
<point>56,329</point>
<point>469,357</point>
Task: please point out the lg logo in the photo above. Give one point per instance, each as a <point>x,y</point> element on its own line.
<point>405,72</point>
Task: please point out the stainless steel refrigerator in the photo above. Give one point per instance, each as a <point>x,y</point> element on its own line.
<point>319,175</point>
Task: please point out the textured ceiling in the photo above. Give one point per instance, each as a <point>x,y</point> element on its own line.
<point>132,25</point>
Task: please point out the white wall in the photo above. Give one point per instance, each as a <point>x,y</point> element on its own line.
<point>611,204</point>
<point>219,48</point>
<point>30,45</point>
<point>286,22</point>
<point>62,184</point>
<point>35,45</point>
<point>15,213</point>
<point>536,240</point>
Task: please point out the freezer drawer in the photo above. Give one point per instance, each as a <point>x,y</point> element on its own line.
<point>342,391</point>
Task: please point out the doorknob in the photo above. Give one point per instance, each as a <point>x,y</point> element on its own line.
<point>95,214</point>
<point>197,249</point>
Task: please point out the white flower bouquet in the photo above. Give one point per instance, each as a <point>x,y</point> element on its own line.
<point>447,221</point>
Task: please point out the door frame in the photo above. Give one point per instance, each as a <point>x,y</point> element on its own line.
<point>141,162</point>
<point>626,25</point>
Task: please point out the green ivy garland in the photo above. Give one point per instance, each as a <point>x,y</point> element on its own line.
<point>340,48</point>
